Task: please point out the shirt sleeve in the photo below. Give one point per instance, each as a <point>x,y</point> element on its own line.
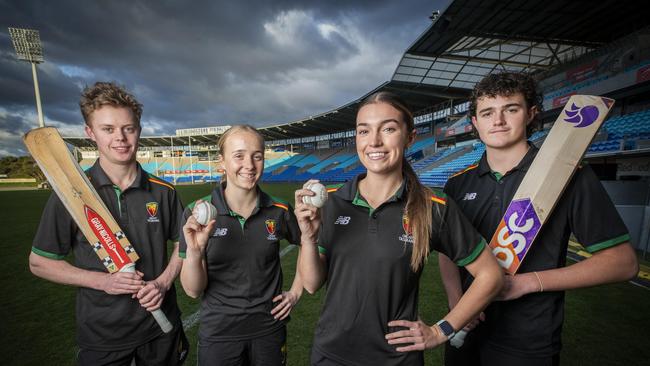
<point>291,229</point>
<point>453,235</point>
<point>176,220</point>
<point>449,188</point>
<point>324,237</point>
<point>56,230</point>
<point>182,245</point>
<point>593,217</point>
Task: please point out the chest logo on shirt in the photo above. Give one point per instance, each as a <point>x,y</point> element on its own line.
<point>220,231</point>
<point>271,226</point>
<point>152,210</point>
<point>407,237</point>
<point>342,220</point>
<point>469,196</point>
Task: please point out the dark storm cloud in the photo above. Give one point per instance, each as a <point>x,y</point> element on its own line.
<point>203,63</point>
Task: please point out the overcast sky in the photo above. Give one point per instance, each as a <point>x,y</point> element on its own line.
<point>202,63</point>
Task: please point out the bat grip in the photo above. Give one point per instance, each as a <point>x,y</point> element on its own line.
<point>458,339</point>
<point>158,314</point>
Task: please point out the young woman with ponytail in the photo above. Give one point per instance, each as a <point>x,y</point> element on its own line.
<point>369,244</point>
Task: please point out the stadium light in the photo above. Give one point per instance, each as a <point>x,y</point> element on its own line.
<point>27,43</point>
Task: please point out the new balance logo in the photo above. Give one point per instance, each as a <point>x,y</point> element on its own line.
<point>469,196</point>
<point>220,231</point>
<point>342,220</point>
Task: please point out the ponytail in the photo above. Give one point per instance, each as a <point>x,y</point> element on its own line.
<point>418,213</point>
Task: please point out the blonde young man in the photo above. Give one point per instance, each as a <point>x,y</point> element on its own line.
<point>114,324</point>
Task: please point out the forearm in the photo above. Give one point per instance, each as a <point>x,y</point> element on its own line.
<point>488,280</point>
<point>170,273</point>
<point>194,273</point>
<point>449,272</point>
<point>297,285</point>
<point>310,267</point>
<point>62,272</point>
<point>610,265</point>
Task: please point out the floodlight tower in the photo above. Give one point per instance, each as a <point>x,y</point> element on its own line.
<point>27,43</point>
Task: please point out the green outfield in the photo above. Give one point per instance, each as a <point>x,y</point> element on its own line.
<point>607,325</point>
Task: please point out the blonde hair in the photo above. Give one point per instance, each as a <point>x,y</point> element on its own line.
<point>418,204</point>
<point>233,130</point>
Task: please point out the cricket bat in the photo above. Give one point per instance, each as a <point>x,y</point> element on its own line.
<point>84,205</point>
<point>545,181</point>
<point>547,178</point>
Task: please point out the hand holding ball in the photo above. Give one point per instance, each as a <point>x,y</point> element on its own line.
<point>319,199</point>
<point>204,212</point>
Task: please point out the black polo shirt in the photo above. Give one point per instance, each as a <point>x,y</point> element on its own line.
<point>369,277</point>
<point>531,325</point>
<point>243,263</point>
<point>149,213</point>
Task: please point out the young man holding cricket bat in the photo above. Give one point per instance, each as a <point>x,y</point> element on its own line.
<point>524,326</point>
<point>114,325</point>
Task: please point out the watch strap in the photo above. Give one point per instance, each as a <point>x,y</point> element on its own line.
<point>446,328</point>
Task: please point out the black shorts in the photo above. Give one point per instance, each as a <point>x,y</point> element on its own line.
<point>169,349</point>
<point>490,356</point>
<point>468,354</point>
<point>268,350</point>
<point>474,353</point>
<point>319,359</point>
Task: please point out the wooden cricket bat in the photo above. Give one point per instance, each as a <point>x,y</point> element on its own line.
<point>84,205</point>
<point>547,177</point>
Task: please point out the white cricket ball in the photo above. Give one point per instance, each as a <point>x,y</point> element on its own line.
<point>204,212</point>
<point>319,199</point>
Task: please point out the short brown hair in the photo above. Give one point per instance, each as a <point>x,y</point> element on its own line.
<point>108,93</point>
<point>506,84</point>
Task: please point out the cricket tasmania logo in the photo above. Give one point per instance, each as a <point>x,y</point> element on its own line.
<point>271,226</point>
<point>152,210</point>
<point>407,237</point>
<point>515,234</point>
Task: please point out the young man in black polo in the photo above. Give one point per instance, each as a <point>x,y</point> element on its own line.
<point>114,324</point>
<point>524,327</point>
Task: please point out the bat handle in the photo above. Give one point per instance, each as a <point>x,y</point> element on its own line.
<point>458,339</point>
<point>162,320</point>
<point>158,314</point>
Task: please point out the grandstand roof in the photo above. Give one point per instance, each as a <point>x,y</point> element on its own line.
<point>472,38</point>
<point>418,96</point>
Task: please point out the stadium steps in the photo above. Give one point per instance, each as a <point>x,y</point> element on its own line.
<point>317,167</point>
<point>455,153</point>
<point>438,176</point>
<point>429,161</point>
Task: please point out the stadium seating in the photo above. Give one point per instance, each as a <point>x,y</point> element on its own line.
<point>439,175</point>
<point>340,165</point>
<point>441,154</point>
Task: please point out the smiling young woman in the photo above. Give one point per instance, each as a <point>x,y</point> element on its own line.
<point>233,263</point>
<point>370,242</point>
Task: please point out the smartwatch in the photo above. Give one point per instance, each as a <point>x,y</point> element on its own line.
<point>446,328</point>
